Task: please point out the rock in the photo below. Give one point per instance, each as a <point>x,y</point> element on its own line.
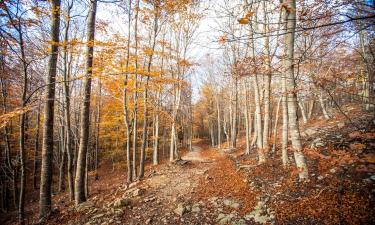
<point>372,177</point>
<point>320,178</point>
<point>148,221</point>
<point>97,216</point>
<point>84,206</point>
<point>195,208</point>
<point>224,218</point>
<point>119,212</point>
<point>333,170</point>
<point>180,210</point>
<point>138,192</point>
<point>260,214</point>
<point>231,203</point>
<point>121,202</point>
<point>317,143</point>
<point>309,132</point>
<point>239,222</point>
<point>341,125</point>
<point>149,199</point>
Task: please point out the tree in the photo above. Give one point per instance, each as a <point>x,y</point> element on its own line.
<point>79,184</point>
<point>48,126</point>
<point>289,9</point>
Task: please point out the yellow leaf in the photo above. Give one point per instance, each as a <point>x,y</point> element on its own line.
<point>249,14</point>
<point>243,21</point>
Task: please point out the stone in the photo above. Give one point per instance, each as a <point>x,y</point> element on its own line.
<point>138,192</point>
<point>372,177</point>
<point>260,214</point>
<point>195,208</point>
<point>333,170</point>
<point>317,143</point>
<point>148,221</point>
<point>97,216</point>
<point>180,210</point>
<point>320,178</point>
<point>231,203</point>
<point>84,206</point>
<point>309,132</point>
<point>239,222</point>
<point>224,218</point>
<point>121,202</point>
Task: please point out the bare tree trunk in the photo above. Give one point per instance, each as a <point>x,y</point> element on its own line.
<point>258,120</point>
<point>247,121</point>
<point>145,114</point>
<point>275,126</point>
<point>218,123</point>
<point>79,184</point>
<point>135,120</point>
<point>267,84</point>
<point>303,111</point>
<point>47,149</point>
<point>311,109</point>
<point>290,18</point>
<point>97,137</point>
<point>324,109</point>
<point>155,157</point>
<point>35,165</point>
<point>126,111</point>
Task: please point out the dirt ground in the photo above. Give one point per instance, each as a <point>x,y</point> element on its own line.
<point>224,186</point>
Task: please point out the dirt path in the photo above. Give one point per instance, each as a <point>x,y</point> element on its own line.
<point>201,188</point>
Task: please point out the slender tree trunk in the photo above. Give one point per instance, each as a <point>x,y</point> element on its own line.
<point>126,110</point>
<point>218,124</point>
<point>155,157</point>
<point>322,104</point>
<point>311,109</point>
<point>135,120</point>
<point>47,148</point>
<point>303,111</point>
<point>247,121</point>
<point>67,114</point>
<point>97,137</point>
<point>267,84</point>
<point>290,18</point>
<point>145,114</point>
<point>36,146</point>
<point>275,125</point>
<point>79,184</point>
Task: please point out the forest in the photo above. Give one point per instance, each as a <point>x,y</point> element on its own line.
<point>187,112</point>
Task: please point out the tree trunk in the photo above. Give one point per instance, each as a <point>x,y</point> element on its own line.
<point>47,147</point>
<point>275,126</point>
<point>290,18</point>
<point>303,111</point>
<point>247,121</point>
<point>79,184</point>
<point>67,114</point>
<point>35,165</point>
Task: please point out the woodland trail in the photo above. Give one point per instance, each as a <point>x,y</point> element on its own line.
<point>201,188</point>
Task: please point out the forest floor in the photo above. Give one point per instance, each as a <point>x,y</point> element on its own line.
<point>224,186</point>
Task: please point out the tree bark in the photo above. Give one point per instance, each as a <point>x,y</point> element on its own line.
<point>290,19</point>
<point>79,184</point>
<point>47,147</point>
